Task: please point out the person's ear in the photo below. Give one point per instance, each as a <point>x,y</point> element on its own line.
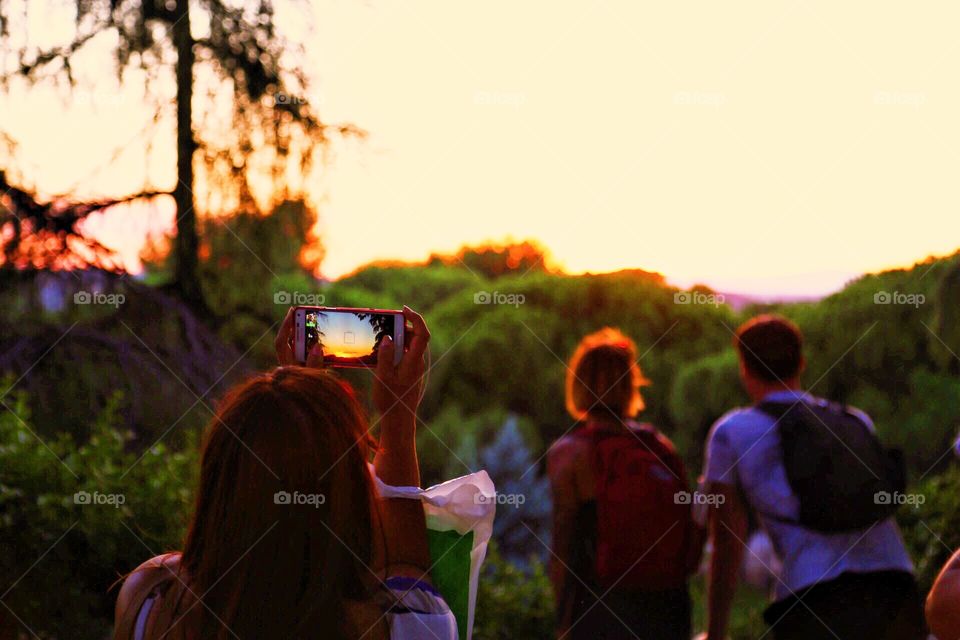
<point>803,366</point>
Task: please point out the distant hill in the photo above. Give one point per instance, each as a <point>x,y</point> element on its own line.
<point>739,301</point>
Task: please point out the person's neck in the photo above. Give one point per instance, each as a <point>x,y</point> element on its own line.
<point>760,392</point>
<point>608,421</point>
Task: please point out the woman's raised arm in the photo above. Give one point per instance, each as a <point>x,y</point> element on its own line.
<point>396,394</point>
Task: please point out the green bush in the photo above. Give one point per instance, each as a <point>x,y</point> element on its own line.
<point>932,529</point>
<point>702,392</point>
<point>513,602</point>
<point>79,517</point>
<point>746,616</point>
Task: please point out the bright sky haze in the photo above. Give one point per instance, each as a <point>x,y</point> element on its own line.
<point>769,148</point>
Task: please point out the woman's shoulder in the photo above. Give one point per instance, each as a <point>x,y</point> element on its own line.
<point>661,437</point>
<point>568,448</point>
<point>141,581</point>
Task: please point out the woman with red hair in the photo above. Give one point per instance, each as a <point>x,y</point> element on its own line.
<point>624,542</point>
<point>288,538</point>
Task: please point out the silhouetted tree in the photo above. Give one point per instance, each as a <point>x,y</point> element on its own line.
<point>495,260</point>
<point>272,122</point>
<point>47,235</point>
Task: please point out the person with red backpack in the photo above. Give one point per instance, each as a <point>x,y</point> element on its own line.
<point>624,539</point>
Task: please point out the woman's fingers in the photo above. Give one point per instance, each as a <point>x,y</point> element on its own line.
<point>417,338</point>
<point>404,383</point>
<point>419,332</point>
<point>282,343</point>
<point>315,357</point>
<point>385,356</point>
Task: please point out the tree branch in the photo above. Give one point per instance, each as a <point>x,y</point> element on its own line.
<point>44,58</point>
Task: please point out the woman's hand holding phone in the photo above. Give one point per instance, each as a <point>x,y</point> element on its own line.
<point>284,346</point>
<point>395,387</point>
<point>396,393</point>
<point>400,387</point>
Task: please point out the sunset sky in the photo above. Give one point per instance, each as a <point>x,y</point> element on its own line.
<point>345,337</point>
<point>780,147</point>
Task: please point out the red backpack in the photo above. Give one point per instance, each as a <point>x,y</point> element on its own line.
<point>646,537</point>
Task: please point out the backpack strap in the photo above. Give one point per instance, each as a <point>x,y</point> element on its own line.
<point>777,409</point>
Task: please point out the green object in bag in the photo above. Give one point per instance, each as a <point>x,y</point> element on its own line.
<point>459,515</point>
<point>451,571</point>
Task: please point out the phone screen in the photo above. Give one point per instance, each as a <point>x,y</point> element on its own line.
<point>348,338</point>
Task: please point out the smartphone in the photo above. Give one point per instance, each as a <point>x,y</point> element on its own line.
<point>350,337</point>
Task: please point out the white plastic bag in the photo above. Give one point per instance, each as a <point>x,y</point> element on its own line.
<point>459,516</point>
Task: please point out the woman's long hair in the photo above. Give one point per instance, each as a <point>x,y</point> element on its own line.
<point>282,530</point>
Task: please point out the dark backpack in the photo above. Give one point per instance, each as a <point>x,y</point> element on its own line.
<point>843,477</point>
<point>646,538</point>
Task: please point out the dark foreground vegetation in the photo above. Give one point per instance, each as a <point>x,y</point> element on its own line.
<point>109,398</point>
